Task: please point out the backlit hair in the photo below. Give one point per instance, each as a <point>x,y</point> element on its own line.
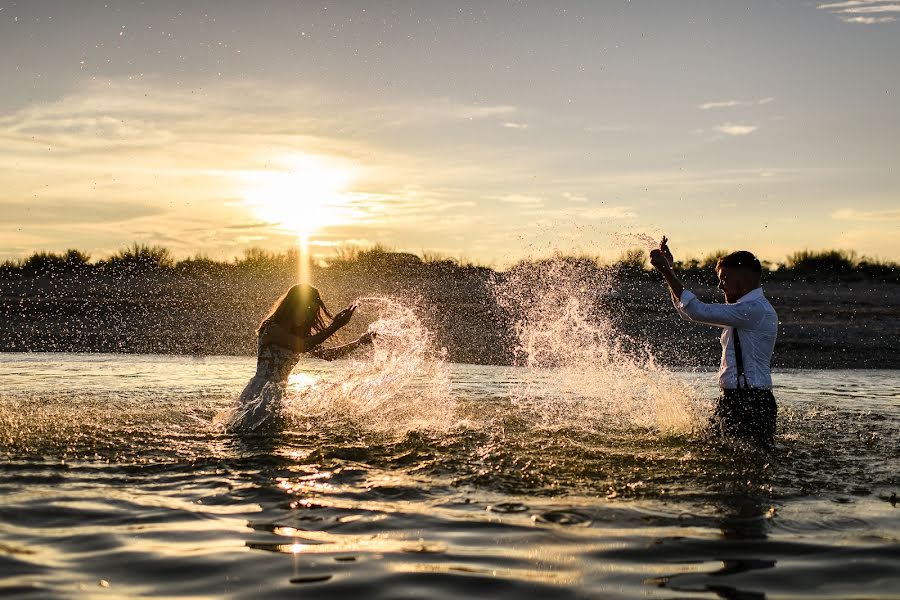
<point>300,295</point>
<point>741,260</point>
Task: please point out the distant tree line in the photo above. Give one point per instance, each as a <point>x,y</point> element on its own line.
<point>143,259</point>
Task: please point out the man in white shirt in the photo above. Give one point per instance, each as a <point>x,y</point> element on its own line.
<point>746,406</point>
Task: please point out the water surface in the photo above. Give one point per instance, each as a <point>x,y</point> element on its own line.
<point>459,481</point>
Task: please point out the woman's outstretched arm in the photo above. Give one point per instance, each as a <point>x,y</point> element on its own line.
<point>342,351</point>
<point>276,334</point>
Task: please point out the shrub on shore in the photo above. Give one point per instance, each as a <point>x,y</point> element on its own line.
<point>46,263</point>
<point>264,262</point>
<point>839,265</point>
<point>836,264</point>
<point>139,258</point>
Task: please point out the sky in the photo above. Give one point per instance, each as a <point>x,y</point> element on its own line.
<point>487,131</point>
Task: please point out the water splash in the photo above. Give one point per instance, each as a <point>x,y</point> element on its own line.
<point>400,384</point>
<point>583,371</point>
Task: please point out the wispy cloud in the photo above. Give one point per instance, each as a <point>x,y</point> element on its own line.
<point>521,199</point>
<point>868,20</point>
<point>579,198</point>
<point>736,129</point>
<point>725,104</point>
<point>596,213</point>
<point>154,158</point>
<point>849,11</point>
<point>512,125</point>
<point>581,213</point>
<point>852,214</point>
<point>71,211</point>
<point>732,103</point>
<point>482,112</point>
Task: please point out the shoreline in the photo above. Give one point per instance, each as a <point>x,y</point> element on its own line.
<point>699,369</point>
<point>822,325</point>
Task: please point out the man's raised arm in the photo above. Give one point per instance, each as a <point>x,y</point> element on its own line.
<point>662,260</point>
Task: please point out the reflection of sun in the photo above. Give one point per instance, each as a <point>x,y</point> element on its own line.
<point>307,194</point>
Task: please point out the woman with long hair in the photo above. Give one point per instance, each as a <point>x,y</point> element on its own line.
<point>295,325</point>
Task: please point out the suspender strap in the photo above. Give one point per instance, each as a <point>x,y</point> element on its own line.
<point>738,355</point>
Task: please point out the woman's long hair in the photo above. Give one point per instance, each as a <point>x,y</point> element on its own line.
<point>305,297</point>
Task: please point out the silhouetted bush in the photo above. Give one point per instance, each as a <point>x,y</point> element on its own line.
<point>376,259</point>
<point>201,265</point>
<point>76,259</point>
<point>263,262</point>
<point>631,263</point>
<point>44,263</point>
<point>830,262</point>
<point>139,258</point>
<point>10,269</point>
<point>136,259</point>
<point>871,268</point>
<point>49,263</point>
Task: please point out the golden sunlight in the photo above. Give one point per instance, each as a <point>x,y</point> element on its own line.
<point>307,194</point>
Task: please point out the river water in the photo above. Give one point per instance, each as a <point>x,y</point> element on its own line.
<point>414,480</point>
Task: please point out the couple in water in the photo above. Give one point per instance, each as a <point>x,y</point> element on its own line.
<point>296,325</point>
<point>746,407</point>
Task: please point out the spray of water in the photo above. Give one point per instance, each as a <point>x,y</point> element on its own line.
<point>400,384</point>
<point>582,371</point>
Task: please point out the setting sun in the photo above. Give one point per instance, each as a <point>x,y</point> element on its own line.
<point>306,194</point>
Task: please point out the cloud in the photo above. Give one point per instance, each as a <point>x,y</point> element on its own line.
<point>725,104</point>
<point>521,199</point>
<point>852,214</point>
<point>591,213</point>
<point>438,110</point>
<point>72,212</point>
<point>68,163</point>
<point>596,213</point>
<point>732,103</point>
<point>736,129</point>
<point>482,112</point>
<point>511,125</point>
<point>845,11</point>
<point>870,240</point>
<point>868,20</point>
<point>249,226</point>
<point>862,6</point>
<point>580,198</point>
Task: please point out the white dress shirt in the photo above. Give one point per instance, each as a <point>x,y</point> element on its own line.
<point>758,324</point>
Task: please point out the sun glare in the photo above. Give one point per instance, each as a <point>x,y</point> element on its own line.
<point>305,195</point>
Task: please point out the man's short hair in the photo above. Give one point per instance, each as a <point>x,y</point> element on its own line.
<point>741,260</point>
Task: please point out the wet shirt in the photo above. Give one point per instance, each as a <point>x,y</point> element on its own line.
<point>758,324</point>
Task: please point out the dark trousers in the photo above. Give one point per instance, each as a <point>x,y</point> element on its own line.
<point>745,413</point>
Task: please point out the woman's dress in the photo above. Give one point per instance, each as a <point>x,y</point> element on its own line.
<point>259,406</point>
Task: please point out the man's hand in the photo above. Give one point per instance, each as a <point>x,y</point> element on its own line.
<point>664,248</point>
<point>658,260</point>
<point>661,258</point>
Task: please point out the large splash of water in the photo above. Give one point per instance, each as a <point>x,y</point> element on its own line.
<point>400,384</point>
<point>583,372</point>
